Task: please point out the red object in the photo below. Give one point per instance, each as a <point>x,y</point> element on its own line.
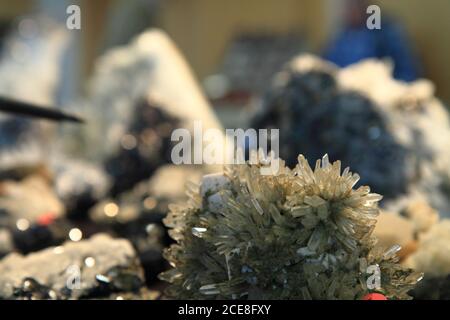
<point>374,296</point>
<point>46,219</point>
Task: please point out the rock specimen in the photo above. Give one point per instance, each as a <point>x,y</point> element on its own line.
<point>404,222</point>
<point>433,254</point>
<point>146,146</point>
<point>32,212</point>
<point>396,135</point>
<point>432,288</point>
<point>90,268</point>
<point>300,234</point>
<point>422,215</point>
<point>433,258</point>
<point>78,183</point>
<point>29,199</point>
<point>138,95</point>
<point>393,229</point>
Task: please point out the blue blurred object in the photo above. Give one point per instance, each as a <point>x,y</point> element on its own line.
<point>356,43</point>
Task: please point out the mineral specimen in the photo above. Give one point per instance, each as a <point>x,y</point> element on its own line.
<point>403,222</point>
<point>433,254</point>
<point>395,134</point>
<point>148,77</point>
<point>145,146</point>
<point>300,234</point>
<point>96,267</point>
<point>432,288</point>
<point>433,258</point>
<point>392,229</point>
<point>29,199</point>
<point>78,183</point>
<point>422,215</point>
<point>139,94</point>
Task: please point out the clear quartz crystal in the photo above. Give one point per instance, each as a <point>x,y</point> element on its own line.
<point>198,232</point>
<point>257,206</point>
<point>392,251</point>
<point>305,251</point>
<point>209,289</point>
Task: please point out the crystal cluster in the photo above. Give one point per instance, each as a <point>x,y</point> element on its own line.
<point>300,234</point>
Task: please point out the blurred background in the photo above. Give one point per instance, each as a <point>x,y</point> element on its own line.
<point>234,46</point>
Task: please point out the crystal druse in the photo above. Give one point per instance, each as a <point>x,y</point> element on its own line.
<point>299,234</point>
